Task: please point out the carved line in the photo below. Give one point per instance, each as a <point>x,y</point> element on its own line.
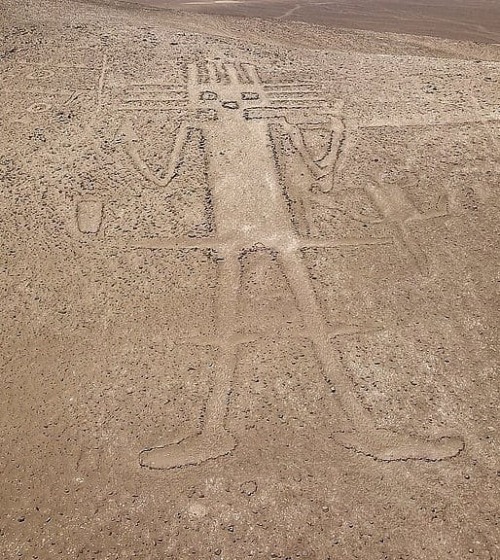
<point>51,92</point>
<point>152,94</point>
<point>182,135</point>
<point>287,85</point>
<point>100,84</point>
<point>291,93</point>
<point>153,85</point>
<point>278,113</point>
<point>427,120</point>
<point>224,245</point>
<point>58,67</point>
<point>153,100</point>
<point>135,108</point>
<point>301,103</point>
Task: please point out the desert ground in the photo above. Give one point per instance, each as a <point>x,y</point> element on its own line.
<point>249,288</point>
<point>473,20</point>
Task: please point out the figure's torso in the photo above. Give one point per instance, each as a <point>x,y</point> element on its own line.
<point>248,201</point>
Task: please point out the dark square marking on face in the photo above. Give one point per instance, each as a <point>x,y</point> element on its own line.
<point>249,95</point>
<point>208,96</point>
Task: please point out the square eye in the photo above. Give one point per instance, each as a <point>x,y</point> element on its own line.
<point>249,95</point>
<point>208,96</point>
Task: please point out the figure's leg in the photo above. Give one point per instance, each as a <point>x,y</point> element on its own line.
<point>214,440</point>
<point>301,210</point>
<point>365,438</point>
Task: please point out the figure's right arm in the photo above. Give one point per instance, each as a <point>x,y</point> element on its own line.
<point>130,144</point>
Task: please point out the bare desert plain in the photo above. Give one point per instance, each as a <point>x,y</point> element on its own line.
<point>473,20</point>
<point>249,288</point>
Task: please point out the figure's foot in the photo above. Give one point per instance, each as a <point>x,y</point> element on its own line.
<point>384,445</point>
<point>192,450</point>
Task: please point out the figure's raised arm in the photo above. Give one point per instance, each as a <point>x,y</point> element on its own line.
<point>130,142</point>
<point>323,166</point>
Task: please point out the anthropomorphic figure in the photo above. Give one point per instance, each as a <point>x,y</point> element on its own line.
<point>233,111</point>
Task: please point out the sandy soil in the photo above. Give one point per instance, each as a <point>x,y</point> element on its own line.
<point>471,20</point>
<point>249,289</point>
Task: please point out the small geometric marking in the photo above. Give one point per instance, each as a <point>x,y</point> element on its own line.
<point>230,105</point>
<point>41,74</point>
<point>89,215</point>
<point>39,108</point>
<point>250,96</point>
<point>208,96</point>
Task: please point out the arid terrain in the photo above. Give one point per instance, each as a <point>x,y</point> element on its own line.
<point>473,20</point>
<point>249,285</point>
